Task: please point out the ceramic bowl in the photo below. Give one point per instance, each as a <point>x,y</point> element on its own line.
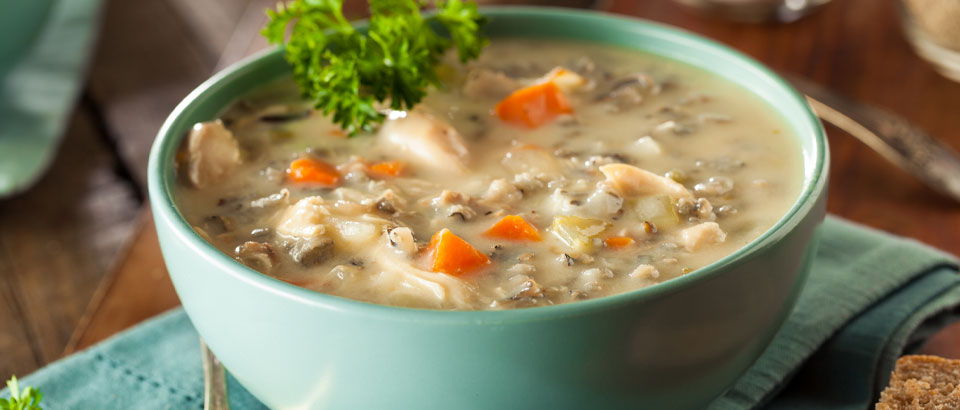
<point>677,345</point>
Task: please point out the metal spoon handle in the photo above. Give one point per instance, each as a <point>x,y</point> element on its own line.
<point>214,381</point>
<point>926,158</point>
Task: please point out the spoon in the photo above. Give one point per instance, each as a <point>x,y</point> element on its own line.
<point>214,381</point>
<point>894,138</point>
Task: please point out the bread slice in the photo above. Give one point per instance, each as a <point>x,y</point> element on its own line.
<point>923,382</point>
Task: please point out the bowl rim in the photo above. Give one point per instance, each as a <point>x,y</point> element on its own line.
<point>165,211</point>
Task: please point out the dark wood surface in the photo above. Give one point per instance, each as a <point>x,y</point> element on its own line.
<point>80,242</point>
<point>57,242</point>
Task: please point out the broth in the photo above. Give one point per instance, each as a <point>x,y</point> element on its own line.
<point>660,169</point>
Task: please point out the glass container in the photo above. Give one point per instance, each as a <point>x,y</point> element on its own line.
<point>933,28</point>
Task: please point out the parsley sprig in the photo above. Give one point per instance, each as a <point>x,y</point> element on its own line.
<point>28,399</point>
<point>346,72</point>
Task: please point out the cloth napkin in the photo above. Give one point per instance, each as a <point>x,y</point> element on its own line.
<point>870,297</point>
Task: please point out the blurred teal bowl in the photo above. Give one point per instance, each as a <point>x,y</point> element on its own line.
<point>677,345</point>
<point>22,22</point>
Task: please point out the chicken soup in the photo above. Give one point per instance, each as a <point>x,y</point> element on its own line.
<point>544,172</point>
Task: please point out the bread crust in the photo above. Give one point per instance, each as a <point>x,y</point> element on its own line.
<point>922,383</point>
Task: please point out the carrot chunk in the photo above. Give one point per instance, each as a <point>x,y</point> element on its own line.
<point>618,242</point>
<point>515,228</point>
<point>313,171</point>
<point>450,254</point>
<point>387,169</point>
<point>533,106</point>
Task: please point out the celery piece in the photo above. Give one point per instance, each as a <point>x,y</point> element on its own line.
<point>658,210</point>
<point>577,233</point>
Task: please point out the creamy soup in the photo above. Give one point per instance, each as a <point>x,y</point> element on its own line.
<point>543,173</point>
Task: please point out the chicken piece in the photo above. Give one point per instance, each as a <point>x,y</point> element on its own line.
<point>629,180</point>
<point>303,231</point>
<point>502,193</point>
<point>644,271</point>
<point>566,80</point>
<point>425,140</point>
<point>697,236</point>
<point>352,203</point>
<point>353,234</point>
<point>305,219</point>
<point>407,285</point>
<point>486,83</point>
<point>212,152</point>
<point>353,209</point>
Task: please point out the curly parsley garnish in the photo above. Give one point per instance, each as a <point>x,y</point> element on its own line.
<point>28,399</point>
<point>345,72</point>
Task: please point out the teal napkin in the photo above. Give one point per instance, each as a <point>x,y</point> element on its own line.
<point>44,49</point>
<point>870,296</point>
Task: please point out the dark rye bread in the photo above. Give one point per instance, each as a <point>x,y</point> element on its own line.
<point>923,382</point>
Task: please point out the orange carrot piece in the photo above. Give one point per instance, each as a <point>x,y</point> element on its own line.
<point>313,171</point>
<point>618,242</point>
<point>513,227</point>
<point>450,254</point>
<point>533,106</point>
<point>387,169</point>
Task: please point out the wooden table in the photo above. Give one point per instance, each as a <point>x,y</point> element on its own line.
<point>73,272</point>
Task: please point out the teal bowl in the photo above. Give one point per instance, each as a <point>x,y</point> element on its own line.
<point>677,345</point>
